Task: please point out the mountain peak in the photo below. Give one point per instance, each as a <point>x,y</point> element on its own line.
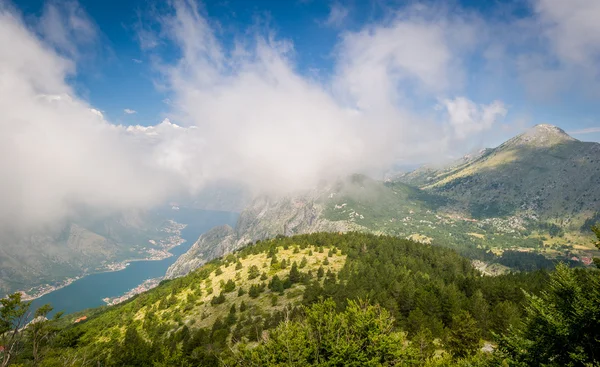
<point>542,135</point>
<point>547,129</point>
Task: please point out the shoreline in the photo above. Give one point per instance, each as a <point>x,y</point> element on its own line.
<point>174,241</point>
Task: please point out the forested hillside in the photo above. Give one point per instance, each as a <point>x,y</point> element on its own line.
<point>327,299</point>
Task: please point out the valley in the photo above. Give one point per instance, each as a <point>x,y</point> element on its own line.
<point>90,290</point>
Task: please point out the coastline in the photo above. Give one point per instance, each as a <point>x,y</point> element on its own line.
<point>165,245</point>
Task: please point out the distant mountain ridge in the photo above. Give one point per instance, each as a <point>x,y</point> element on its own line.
<point>527,199</point>
<point>542,172</point>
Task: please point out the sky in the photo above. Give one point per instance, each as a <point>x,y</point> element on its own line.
<point>111,105</point>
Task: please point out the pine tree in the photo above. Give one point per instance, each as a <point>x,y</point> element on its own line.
<point>320,273</point>
<point>562,326</point>
<point>304,262</point>
<point>276,285</point>
<point>294,276</point>
<point>463,337</point>
<point>238,265</point>
<point>253,272</point>
<point>229,286</point>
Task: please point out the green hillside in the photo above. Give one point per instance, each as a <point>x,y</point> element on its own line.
<point>230,304</point>
<point>397,209</point>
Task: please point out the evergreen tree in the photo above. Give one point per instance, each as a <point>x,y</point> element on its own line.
<point>463,337</point>
<point>217,300</point>
<point>562,326</point>
<point>294,276</point>
<point>229,286</point>
<point>304,262</point>
<point>320,273</point>
<point>276,285</point>
<point>253,272</point>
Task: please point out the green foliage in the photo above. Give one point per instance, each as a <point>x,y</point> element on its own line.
<point>562,325</point>
<point>238,265</point>
<point>320,273</point>
<point>294,276</point>
<point>253,272</point>
<point>426,293</point>
<point>303,262</point>
<point>463,337</point>
<point>362,335</point>
<point>229,286</point>
<point>218,271</point>
<point>13,316</point>
<point>217,300</point>
<point>276,285</point>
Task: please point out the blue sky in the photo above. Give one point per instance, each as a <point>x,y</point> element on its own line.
<point>117,74</point>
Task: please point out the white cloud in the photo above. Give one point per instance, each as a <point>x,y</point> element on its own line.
<point>59,155</point>
<point>466,118</point>
<point>137,61</point>
<point>337,15</point>
<point>67,27</point>
<point>129,111</point>
<point>555,52</point>
<point>97,112</point>
<point>264,124</point>
<point>573,29</point>
<point>247,116</point>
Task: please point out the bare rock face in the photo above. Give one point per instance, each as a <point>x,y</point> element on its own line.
<point>265,218</point>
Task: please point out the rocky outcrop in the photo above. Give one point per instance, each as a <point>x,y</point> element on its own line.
<point>264,218</point>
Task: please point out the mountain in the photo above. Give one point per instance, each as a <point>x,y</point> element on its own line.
<point>543,173</point>
<point>218,314</point>
<point>265,217</point>
<point>40,261</point>
<point>525,204</point>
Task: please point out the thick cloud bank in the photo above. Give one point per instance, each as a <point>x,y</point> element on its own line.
<point>245,113</point>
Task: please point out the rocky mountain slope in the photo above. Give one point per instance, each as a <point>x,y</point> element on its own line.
<point>543,173</point>
<point>264,218</point>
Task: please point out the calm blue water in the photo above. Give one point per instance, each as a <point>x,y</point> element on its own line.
<point>89,291</point>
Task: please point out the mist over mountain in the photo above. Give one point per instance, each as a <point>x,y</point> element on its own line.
<point>534,194</point>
